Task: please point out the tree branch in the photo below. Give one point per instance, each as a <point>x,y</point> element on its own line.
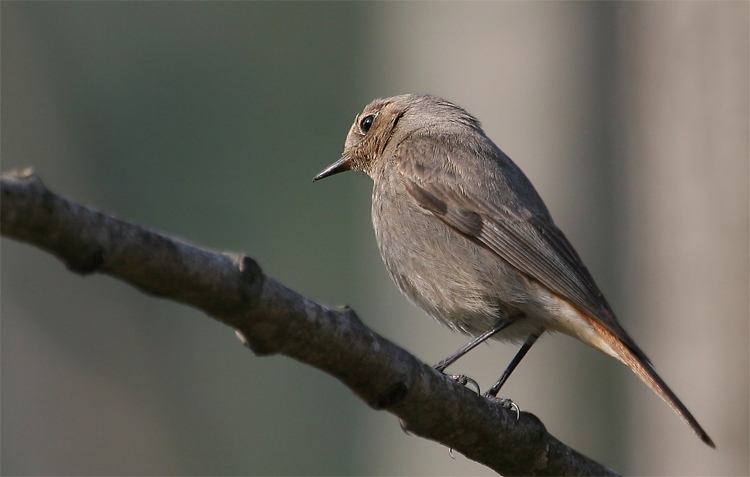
<point>272,319</point>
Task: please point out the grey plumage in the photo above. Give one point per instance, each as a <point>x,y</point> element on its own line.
<point>465,236</point>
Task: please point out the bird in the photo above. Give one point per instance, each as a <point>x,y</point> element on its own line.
<point>465,236</point>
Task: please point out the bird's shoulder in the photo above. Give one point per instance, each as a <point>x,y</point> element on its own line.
<point>469,164</point>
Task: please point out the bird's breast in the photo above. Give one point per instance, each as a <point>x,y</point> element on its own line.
<point>450,277</point>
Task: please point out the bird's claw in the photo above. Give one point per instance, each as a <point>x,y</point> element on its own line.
<point>402,425</point>
<point>464,380</point>
<point>506,403</point>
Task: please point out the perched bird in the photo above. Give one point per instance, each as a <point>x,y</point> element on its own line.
<point>466,237</point>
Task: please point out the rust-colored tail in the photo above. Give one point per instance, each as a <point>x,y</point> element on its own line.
<point>644,370</point>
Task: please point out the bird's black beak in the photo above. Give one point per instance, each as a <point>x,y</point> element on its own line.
<point>341,165</point>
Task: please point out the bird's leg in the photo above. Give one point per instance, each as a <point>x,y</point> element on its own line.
<point>500,325</point>
<point>514,362</point>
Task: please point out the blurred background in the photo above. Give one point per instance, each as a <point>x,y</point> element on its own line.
<point>208,120</point>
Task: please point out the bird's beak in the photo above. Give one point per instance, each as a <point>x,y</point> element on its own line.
<point>343,164</point>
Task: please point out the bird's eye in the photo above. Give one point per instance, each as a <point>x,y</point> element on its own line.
<point>366,122</point>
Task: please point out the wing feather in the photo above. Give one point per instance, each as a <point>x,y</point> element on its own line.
<point>528,241</point>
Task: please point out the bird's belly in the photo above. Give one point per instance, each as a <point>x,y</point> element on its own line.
<point>456,281</point>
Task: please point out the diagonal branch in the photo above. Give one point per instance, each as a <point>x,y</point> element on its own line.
<point>272,319</point>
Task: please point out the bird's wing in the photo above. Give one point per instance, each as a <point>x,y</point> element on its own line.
<point>530,243</point>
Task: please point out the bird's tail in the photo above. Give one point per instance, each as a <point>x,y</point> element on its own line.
<point>646,372</point>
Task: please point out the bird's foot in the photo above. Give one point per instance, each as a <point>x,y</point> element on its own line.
<point>504,402</point>
<point>464,380</point>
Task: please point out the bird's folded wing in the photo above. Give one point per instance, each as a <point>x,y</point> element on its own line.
<point>531,244</point>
